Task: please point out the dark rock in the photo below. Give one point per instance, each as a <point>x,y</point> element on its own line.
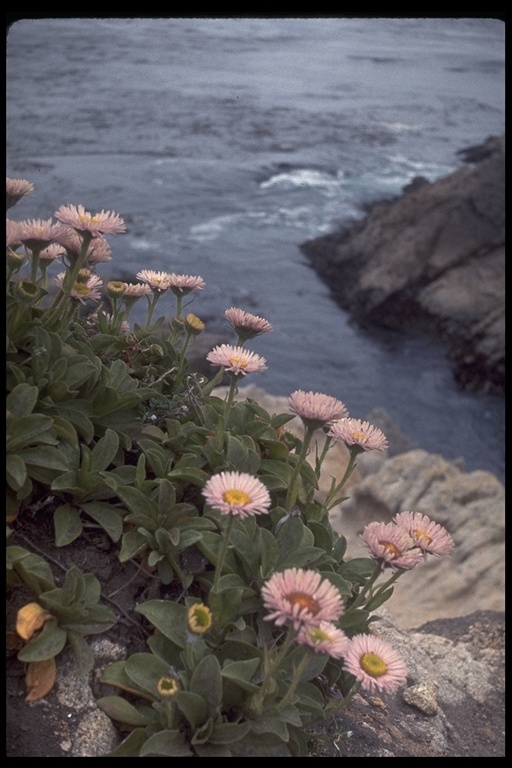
<point>433,260</point>
<point>453,705</point>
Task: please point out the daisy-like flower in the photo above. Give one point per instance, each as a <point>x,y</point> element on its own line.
<point>392,545</point>
<point>167,686</point>
<point>38,233</point>
<point>180,285</point>
<point>302,597</point>
<point>315,409</point>
<point>83,290</point>
<point>199,618</point>
<point>427,534</point>
<point>12,231</point>
<point>96,224</point>
<point>245,325</point>
<point>325,638</point>
<point>360,434</point>
<point>16,189</point>
<point>237,493</point>
<point>52,252</point>
<point>375,663</point>
<point>99,251</point>
<point>236,360</point>
<point>194,324</point>
<point>136,290</point>
<point>116,289</point>
<point>158,281</point>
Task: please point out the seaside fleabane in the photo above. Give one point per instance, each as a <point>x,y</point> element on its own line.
<point>426,534</point>
<point>358,435</point>
<point>316,409</point>
<point>391,545</point>
<point>236,360</point>
<point>375,663</point>
<point>302,597</point>
<point>96,224</point>
<point>237,493</point>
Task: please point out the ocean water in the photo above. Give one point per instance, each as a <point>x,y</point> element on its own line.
<point>225,143</point>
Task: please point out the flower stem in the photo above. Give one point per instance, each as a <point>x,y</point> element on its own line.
<point>222,554</point>
<point>227,407</point>
<point>331,500</point>
<point>293,490</point>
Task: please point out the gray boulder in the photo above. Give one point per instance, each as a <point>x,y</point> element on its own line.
<point>432,260</point>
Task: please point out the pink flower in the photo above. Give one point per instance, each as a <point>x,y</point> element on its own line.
<point>16,189</point>
<point>353,432</point>
<point>375,663</point>
<point>38,233</point>
<point>324,638</point>
<point>237,493</point>
<point>136,290</point>
<point>99,251</point>
<point>391,544</point>
<point>302,597</point>
<point>246,326</point>
<point>83,290</point>
<point>426,534</point>
<point>180,285</point>
<point>103,223</point>
<point>159,281</point>
<point>52,252</point>
<point>236,360</point>
<point>315,409</point>
<point>12,232</point>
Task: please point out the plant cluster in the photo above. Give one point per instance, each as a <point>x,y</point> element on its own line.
<point>270,629</point>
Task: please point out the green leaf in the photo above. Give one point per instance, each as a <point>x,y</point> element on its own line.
<point>145,670</point>
<point>166,744</point>
<point>193,706</point>
<point>379,599</point>
<point>131,746</point>
<point>121,711</point>
<point>48,643</point>
<point>132,544</point>
<point>229,733</point>
<point>115,675</point>
<point>16,471</point>
<point>168,617</point>
<point>104,451</point>
<point>106,516</point>
<point>67,524</point>
<point>21,401</point>
<point>138,502</point>
<point>83,654</point>
<point>77,412</point>
<point>29,429</point>
<point>242,672</point>
<point>32,569</point>
<point>206,681</point>
<point>269,552</point>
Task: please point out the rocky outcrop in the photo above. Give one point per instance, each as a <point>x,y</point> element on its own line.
<point>432,260</point>
<point>453,703</point>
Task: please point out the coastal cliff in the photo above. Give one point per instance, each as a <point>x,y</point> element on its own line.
<point>432,260</point>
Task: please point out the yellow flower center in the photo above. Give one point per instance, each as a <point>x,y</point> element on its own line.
<point>240,361</point>
<point>373,665</point>
<point>167,686</point>
<point>81,288</point>
<point>391,549</point>
<point>419,535</point>
<point>359,437</point>
<point>236,498</point>
<point>199,618</point>
<point>303,600</point>
<point>317,635</point>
